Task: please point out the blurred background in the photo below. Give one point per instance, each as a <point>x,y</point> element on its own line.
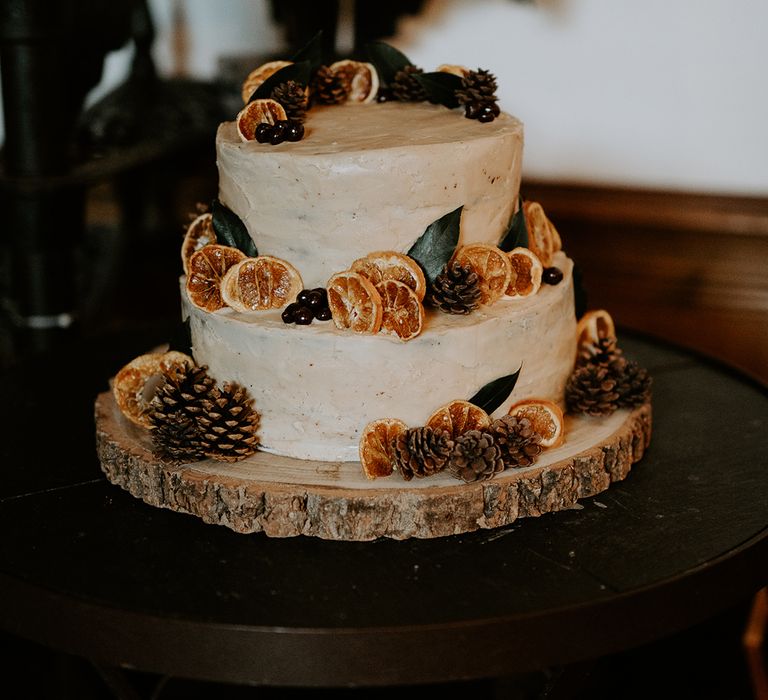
<point>645,140</point>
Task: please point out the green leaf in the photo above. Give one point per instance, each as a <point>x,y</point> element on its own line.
<point>517,233</point>
<point>495,393</point>
<point>181,338</point>
<point>312,52</point>
<point>298,72</point>
<point>230,230</point>
<point>387,60</point>
<point>440,87</point>
<point>436,245</point>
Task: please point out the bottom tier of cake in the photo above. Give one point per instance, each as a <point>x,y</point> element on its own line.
<point>316,387</point>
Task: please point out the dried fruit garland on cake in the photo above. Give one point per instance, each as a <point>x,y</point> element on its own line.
<point>278,94</point>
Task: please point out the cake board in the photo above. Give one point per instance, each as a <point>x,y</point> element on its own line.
<point>285,497</point>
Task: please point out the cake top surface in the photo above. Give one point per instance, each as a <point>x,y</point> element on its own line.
<point>354,127</point>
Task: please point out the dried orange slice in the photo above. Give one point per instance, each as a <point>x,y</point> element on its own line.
<point>199,233</point>
<point>546,417</point>
<point>258,75</point>
<point>594,326</point>
<point>403,312</point>
<point>492,266</point>
<point>360,79</point>
<point>391,265</point>
<point>260,283</point>
<point>207,268</point>
<point>543,238</point>
<point>461,71</point>
<point>258,112</point>
<point>457,417</point>
<point>376,446</point>
<point>526,273</point>
<point>137,382</point>
<point>354,302</point>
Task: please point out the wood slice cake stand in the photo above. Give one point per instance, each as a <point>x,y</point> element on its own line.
<point>285,497</point>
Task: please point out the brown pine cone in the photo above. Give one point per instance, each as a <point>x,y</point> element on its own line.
<point>406,88</point>
<point>599,389</point>
<point>228,427</point>
<point>475,457</point>
<point>477,87</point>
<point>456,290</point>
<point>421,451</point>
<point>518,441</point>
<point>634,385</point>
<point>293,97</point>
<point>327,88</point>
<point>603,353</point>
<point>186,392</point>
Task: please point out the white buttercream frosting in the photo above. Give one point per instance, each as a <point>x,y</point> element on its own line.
<point>370,177</point>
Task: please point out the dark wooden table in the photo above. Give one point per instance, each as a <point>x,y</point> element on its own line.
<point>89,570</point>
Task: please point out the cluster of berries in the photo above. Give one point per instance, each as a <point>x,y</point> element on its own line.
<point>283,130</point>
<point>310,304</point>
<point>552,275</point>
<point>483,112</point>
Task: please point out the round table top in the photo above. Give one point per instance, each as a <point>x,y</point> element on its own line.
<point>88,569</point>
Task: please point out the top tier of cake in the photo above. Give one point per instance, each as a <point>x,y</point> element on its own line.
<point>370,177</point>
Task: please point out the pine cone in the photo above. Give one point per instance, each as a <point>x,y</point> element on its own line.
<point>475,457</point>
<point>229,426</point>
<point>605,352</point>
<point>327,88</point>
<point>421,451</point>
<point>456,290</point>
<point>599,389</point>
<point>186,392</point>
<point>292,96</point>
<point>518,441</point>
<point>406,88</point>
<point>478,95</point>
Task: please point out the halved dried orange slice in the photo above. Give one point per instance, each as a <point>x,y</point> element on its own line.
<point>543,238</point>
<point>258,75</point>
<point>258,112</point>
<point>207,268</point>
<point>594,326</point>
<point>136,383</point>
<point>546,418</point>
<point>376,446</point>
<point>360,79</point>
<point>403,312</point>
<point>257,284</point>
<point>461,71</point>
<point>199,233</point>
<point>458,417</point>
<point>492,266</point>
<point>526,273</point>
<point>354,302</point>
<point>391,265</point>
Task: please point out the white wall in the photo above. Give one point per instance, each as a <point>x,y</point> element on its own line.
<point>657,93</point>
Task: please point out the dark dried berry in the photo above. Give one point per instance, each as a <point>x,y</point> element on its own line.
<point>294,131</point>
<point>317,299</point>
<point>472,110</point>
<point>486,115</point>
<point>303,297</point>
<point>304,316</point>
<point>263,132</point>
<point>552,275</point>
<point>277,135</point>
<point>289,312</point>
<point>323,313</point>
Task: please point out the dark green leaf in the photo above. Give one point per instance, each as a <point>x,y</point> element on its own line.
<point>298,72</point>
<point>181,338</point>
<point>312,52</point>
<point>436,245</point>
<point>440,87</point>
<point>517,233</point>
<point>495,393</point>
<point>387,60</point>
<point>230,230</point>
